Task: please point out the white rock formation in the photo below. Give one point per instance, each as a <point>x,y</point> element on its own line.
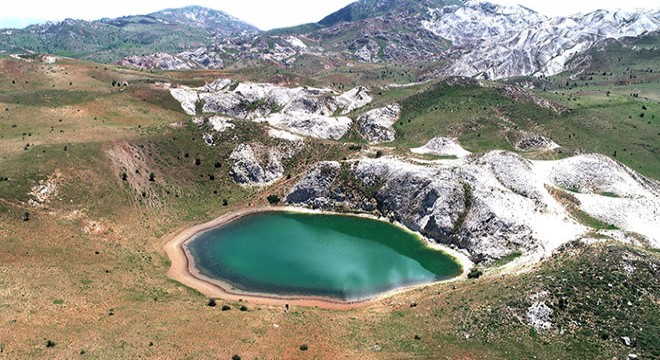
<point>284,135</point>
<point>490,205</point>
<point>187,97</point>
<point>220,123</point>
<point>496,41</point>
<point>354,99</point>
<point>260,167</point>
<point>531,142</point>
<point>441,146</point>
<point>538,316</point>
<point>376,125</point>
<point>303,110</point>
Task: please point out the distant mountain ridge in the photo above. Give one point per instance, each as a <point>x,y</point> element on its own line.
<point>106,40</point>
<point>448,37</point>
<point>452,38</point>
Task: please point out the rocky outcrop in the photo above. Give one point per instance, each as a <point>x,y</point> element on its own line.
<point>376,125</point>
<point>303,110</point>
<point>490,206</point>
<point>315,189</point>
<point>441,146</point>
<point>256,165</point>
<point>532,142</point>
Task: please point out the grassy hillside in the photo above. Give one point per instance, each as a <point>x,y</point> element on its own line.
<point>85,275</point>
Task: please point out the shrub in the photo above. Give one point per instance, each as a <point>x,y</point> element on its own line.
<point>273,199</point>
<point>226,307</point>
<point>379,153</point>
<point>211,303</point>
<point>304,347</point>
<point>26,216</point>
<point>50,343</point>
<point>244,308</point>
<point>152,177</point>
<point>475,273</point>
<point>236,357</point>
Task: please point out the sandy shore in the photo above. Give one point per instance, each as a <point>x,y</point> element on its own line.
<point>184,271</point>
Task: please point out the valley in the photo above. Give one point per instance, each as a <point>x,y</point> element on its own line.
<point>545,178</point>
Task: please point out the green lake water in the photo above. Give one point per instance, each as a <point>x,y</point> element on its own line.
<point>341,257</point>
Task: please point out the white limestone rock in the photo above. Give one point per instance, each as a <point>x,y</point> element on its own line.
<point>441,146</point>
<point>302,110</point>
<point>490,205</point>
<point>376,125</point>
<point>493,41</point>
<point>255,165</point>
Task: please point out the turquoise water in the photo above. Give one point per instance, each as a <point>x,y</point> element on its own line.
<point>339,257</point>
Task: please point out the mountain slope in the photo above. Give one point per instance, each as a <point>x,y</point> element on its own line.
<point>107,40</point>
<point>493,41</point>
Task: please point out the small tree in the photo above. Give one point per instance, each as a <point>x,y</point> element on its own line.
<point>211,303</point>
<point>152,177</point>
<point>475,273</point>
<point>26,216</point>
<point>379,153</point>
<point>236,357</point>
<point>273,199</point>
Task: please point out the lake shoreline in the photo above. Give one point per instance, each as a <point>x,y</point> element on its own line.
<point>183,268</point>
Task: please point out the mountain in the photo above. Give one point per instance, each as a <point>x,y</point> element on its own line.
<point>493,41</point>
<point>108,40</point>
<point>472,38</point>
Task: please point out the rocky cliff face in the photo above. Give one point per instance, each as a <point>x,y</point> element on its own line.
<point>376,125</point>
<point>490,205</point>
<point>304,110</point>
<point>256,165</point>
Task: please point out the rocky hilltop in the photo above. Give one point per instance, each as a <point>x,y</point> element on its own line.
<point>494,204</point>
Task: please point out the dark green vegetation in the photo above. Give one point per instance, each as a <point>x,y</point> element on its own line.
<point>340,257</point>
<point>109,40</point>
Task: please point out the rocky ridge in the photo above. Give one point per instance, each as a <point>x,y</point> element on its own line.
<point>303,110</point>
<point>490,205</point>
